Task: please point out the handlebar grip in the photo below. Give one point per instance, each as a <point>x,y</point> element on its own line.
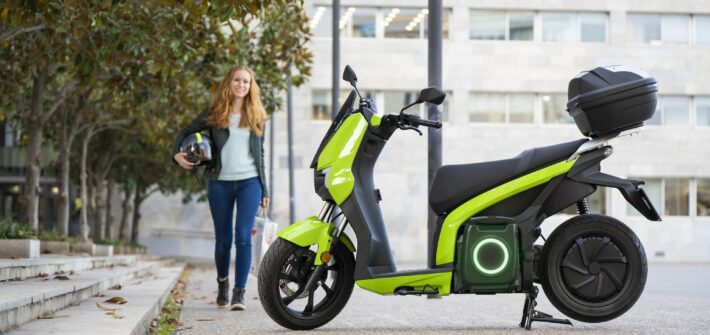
<point>427,123</point>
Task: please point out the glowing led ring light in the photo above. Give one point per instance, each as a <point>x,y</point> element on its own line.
<point>478,248</point>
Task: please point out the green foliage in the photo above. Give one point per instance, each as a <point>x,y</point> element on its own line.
<point>52,235</point>
<point>9,229</point>
<point>168,321</point>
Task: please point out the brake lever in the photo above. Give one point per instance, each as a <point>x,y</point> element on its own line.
<point>412,128</point>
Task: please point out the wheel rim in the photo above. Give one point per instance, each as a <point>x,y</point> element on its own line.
<point>292,280</point>
<point>595,269</point>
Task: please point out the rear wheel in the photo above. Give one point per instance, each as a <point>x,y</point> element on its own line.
<point>284,272</point>
<point>593,268</point>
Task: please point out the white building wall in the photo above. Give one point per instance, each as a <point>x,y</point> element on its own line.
<point>496,66</point>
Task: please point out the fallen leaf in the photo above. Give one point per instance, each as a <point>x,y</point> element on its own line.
<point>118,316</point>
<point>183,328</point>
<point>109,313</point>
<point>116,287</point>
<point>42,275</point>
<point>61,277</point>
<point>166,310</point>
<point>211,303</point>
<point>48,317</point>
<point>106,308</point>
<point>172,321</point>
<point>205,319</point>
<point>201,298</point>
<point>74,304</point>
<point>116,300</point>
<point>181,295</point>
<point>100,295</point>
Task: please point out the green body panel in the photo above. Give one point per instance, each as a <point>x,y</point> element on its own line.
<point>375,120</point>
<point>312,231</point>
<point>339,155</point>
<point>387,285</point>
<point>447,238</point>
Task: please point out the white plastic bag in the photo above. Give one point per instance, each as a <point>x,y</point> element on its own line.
<point>262,235</point>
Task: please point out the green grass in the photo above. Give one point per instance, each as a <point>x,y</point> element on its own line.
<point>170,318</point>
<point>9,229</point>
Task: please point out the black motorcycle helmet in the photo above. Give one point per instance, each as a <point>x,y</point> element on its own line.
<point>198,147</point>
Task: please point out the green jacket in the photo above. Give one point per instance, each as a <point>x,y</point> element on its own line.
<point>219,138</point>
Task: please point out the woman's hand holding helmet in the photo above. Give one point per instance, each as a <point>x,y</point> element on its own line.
<point>181,158</point>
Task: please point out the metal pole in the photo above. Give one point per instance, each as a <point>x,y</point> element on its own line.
<point>434,112</point>
<point>271,165</point>
<point>289,109</point>
<point>335,93</point>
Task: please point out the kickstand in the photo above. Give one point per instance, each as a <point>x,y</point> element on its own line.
<point>530,314</point>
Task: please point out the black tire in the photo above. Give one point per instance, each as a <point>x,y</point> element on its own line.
<point>284,271</point>
<point>593,268</point>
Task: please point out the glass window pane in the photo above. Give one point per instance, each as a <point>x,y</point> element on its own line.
<point>521,108</point>
<point>703,204</point>
<point>487,25</point>
<point>652,187</point>
<point>596,202</point>
<point>321,22</point>
<point>676,191</point>
<point>403,23</point>
<point>487,107</point>
<point>558,27</point>
<point>363,21</point>
<point>554,108</point>
<point>702,107</point>
<point>676,110</point>
<point>592,27</point>
<point>320,105</point>
<point>643,28</point>
<point>702,29</point>
<point>656,119</point>
<point>675,29</point>
<point>395,100</point>
<point>521,26</point>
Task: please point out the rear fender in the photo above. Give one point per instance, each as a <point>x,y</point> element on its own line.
<point>312,231</point>
<point>629,189</point>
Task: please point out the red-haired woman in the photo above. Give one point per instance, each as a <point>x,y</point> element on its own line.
<point>235,120</point>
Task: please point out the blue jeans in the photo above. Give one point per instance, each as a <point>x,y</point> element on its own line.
<point>222,195</point>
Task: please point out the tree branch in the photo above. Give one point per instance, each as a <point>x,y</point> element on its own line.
<point>18,31</point>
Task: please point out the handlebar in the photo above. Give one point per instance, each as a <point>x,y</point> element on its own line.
<point>432,124</point>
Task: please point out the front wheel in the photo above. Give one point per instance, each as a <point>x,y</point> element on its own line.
<point>284,272</point>
<point>593,268</point>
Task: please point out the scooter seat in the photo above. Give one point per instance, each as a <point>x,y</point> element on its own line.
<point>455,184</point>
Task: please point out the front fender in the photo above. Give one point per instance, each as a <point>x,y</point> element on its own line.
<point>312,231</point>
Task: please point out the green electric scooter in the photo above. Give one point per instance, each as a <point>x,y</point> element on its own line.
<point>592,267</point>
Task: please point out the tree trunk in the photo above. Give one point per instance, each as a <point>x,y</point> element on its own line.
<point>30,202</point>
<point>127,215</point>
<point>108,218</point>
<point>83,219</point>
<point>137,200</point>
<point>63,203</point>
<point>99,209</point>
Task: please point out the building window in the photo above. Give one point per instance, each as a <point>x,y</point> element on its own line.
<point>501,107</point>
<point>320,105</point>
<point>676,196</point>
<point>658,29</point>
<point>394,101</point>
<point>675,110</point>
<point>358,22</point>
<point>654,190</point>
<point>703,197</point>
<point>702,111</point>
<point>411,22</point>
<point>554,109</point>
<point>321,22</point>
<point>674,29</point>
<point>501,25</point>
<point>572,27</point>
<point>702,29</point>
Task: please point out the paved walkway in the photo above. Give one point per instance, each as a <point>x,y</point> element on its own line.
<point>674,302</point>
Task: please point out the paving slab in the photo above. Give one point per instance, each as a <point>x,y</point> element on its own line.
<point>675,301</point>
<point>145,297</point>
<point>19,269</point>
<point>22,301</point>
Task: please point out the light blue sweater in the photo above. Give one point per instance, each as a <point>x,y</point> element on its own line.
<point>237,159</point>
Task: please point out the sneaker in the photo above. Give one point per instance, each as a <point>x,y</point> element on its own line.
<point>237,299</point>
<point>222,292</point>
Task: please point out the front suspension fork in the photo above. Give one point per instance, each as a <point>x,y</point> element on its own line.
<point>327,214</point>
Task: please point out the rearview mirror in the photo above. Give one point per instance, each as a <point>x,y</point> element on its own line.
<point>349,76</point>
<point>432,95</point>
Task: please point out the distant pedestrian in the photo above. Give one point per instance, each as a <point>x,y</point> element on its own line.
<point>235,120</point>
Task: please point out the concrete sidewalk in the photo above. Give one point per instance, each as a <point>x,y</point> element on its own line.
<point>674,302</point>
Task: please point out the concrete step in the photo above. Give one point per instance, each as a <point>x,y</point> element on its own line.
<point>22,301</point>
<point>19,269</point>
<point>145,297</point>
